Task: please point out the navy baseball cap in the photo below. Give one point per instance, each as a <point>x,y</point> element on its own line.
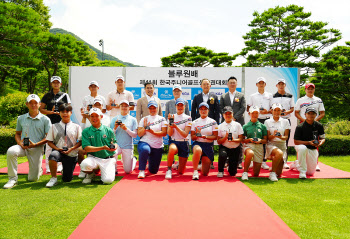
<point>203,104</point>
<point>180,101</point>
<point>311,109</point>
<point>152,103</point>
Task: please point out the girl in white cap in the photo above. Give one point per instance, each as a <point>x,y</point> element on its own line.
<point>277,133</point>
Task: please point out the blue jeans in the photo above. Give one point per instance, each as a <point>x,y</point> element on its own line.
<point>153,155</point>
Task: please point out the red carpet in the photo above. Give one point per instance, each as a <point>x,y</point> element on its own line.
<point>181,208</point>
<point>326,171</point>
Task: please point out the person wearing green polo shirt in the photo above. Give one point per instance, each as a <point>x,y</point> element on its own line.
<point>100,144</point>
<point>255,134</point>
<point>31,131</point>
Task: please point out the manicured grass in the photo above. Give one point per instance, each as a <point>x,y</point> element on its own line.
<point>313,208</point>
<point>30,210</point>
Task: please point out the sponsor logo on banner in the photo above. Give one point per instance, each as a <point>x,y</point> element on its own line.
<point>186,94</point>
<point>162,103</point>
<point>217,92</point>
<point>136,140</point>
<point>136,91</point>
<point>166,139</point>
<point>155,92</point>
<point>133,113</point>
<point>165,93</point>
<point>195,91</point>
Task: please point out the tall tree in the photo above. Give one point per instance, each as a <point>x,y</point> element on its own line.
<point>196,56</point>
<point>38,6</point>
<point>333,81</point>
<point>286,37</point>
<point>19,29</point>
<point>62,48</point>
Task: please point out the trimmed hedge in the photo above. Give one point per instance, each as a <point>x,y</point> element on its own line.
<point>7,139</point>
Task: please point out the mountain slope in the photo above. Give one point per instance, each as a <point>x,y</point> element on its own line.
<point>98,52</point>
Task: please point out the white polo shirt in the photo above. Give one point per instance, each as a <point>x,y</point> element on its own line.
<point>157,123</point>
<point>207,127</point>
<point>117,98</point>
<point>261,100</point>
<point>235,128</point>
<point>182,121</point>
<point>58,132</point>
<point>285,100</point>
<point>281,125</point>
<point>89,100</point>
<point>306,102</point>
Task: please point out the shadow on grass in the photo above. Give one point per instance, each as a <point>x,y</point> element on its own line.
<point>23,183</point>
<point>266,181</point>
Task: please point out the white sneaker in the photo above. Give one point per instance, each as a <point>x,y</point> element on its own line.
<point>168,174</point>
<point>286,166</point>
<point>89,177</point>
<point>294,165</point>
<point>244,176</point>
<point>273,177</point>
<point>264,166</point>
<point>59,168</point>
<point>142,174</point>
<point>82,174</point>
<point>318,168</point>
<point>199,168</point>
<point>212,166</point>
<point>240,166</point>
<point>10,184</point>
<point>302,175</point>
<point>175,165</point>
<point>52,182</point>
<point>195,175</point>
<point>220,174</point>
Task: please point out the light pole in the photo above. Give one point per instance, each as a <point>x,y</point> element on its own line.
<point>101,44</point>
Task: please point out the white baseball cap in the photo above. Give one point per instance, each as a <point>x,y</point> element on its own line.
<point>124,101</point>
<point>33,97</point>
<point>177,87</point>
<point>281,80</point>
<point>97,100</point>
<point>56,78</point>
<point>95,111</point>
<point>94,83</point>
<point>253,108</point>
<point>120,77</point>
<point>277,105</point>
<point>260,79</point>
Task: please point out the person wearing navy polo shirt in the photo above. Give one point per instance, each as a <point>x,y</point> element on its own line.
<point>125,128</point>
<point>308,136</point>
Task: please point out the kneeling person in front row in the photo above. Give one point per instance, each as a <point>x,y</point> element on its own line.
<point>230,135</point>
<point>308,136</point>
<point>30,136</point>
<point>99,142</point>
<point>255,136</point>
<point>64,138</point>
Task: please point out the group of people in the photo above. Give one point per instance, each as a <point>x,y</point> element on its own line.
<point>107,130</point>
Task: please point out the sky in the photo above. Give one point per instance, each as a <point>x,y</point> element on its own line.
<point>142,32</point>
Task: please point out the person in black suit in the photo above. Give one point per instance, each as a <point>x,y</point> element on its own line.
<point>236,100</point>
<point>208,97</point>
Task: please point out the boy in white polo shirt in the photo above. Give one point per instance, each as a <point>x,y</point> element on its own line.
<point>30,136</point>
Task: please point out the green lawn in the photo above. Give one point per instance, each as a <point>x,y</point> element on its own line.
<point>312,208</point>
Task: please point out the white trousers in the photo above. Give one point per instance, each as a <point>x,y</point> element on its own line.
<point>129,162</point>
<point>107,167</point>
<point>307,159</point>
<point>35,157</point>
